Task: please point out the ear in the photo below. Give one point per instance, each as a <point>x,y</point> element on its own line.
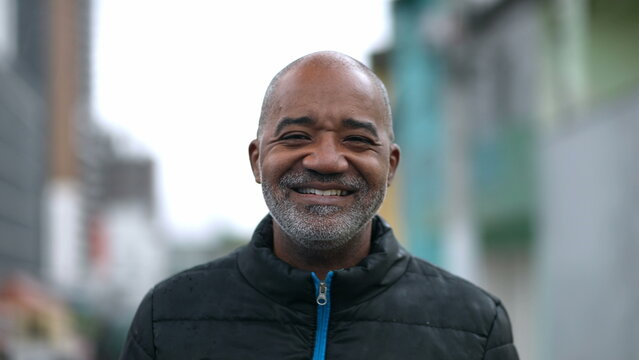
<point>254,157</point>
<point>393,162</point>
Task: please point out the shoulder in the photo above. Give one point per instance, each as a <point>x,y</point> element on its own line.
<point>449,301</point>
<point>184,296</point>
<point>437,278</point>
<point>462,305</point>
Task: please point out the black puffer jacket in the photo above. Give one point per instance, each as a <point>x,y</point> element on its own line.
<point>251,305</point>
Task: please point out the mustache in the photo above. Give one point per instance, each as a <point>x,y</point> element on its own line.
<point>301,177</point>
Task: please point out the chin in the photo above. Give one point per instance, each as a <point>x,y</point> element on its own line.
<point>321,232</point>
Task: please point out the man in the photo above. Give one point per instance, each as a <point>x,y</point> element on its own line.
<point>323,277</point>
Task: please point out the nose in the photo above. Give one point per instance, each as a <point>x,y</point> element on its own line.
<point>326,157</point>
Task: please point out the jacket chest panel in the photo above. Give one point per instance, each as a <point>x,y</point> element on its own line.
<point>238,339</point>
<point>387,340</point>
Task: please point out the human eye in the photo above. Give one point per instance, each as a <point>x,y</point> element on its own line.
<point>294,137</point>
<point>359,139</point>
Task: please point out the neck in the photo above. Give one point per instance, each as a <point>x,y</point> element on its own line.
<point>321,261</point>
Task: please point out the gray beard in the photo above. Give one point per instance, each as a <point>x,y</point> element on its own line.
<point>321,227</point>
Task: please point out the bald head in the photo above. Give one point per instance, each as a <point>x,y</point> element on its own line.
<point>327,60</point>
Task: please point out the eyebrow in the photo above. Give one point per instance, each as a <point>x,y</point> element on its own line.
<point>304,120</point>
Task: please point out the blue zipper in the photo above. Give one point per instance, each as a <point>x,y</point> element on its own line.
<point>323,299</point>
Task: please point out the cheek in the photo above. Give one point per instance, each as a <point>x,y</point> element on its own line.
<point>276,164</point>
<point>373,170</point>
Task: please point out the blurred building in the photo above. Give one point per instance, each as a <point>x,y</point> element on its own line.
<point>23,128</point>
<point>516,120</point>
<point>76,216</point>
<point>44,96</point>
<point>127,253</point>
<point>589,203</point>
<point>68,96</point>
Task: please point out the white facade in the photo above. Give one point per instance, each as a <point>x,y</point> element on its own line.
<point>65,245</point>
<point>7,31</point>
<point>134,259</point>
<point>590,236</point>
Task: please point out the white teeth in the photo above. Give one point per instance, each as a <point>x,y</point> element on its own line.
<point>322,192</point>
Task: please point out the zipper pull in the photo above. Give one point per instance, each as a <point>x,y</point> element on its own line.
<point>321,297</point>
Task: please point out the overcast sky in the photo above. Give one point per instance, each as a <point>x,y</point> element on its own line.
<point>184,80</point>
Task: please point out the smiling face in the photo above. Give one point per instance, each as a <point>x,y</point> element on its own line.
<point>324,156</point>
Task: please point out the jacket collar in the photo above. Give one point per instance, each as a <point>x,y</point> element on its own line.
<point>294,288</point>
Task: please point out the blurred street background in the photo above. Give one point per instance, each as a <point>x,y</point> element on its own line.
<point>124,128</point>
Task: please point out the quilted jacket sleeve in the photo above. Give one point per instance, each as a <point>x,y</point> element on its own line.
<point>139,342</point>
<point>499,345</point>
